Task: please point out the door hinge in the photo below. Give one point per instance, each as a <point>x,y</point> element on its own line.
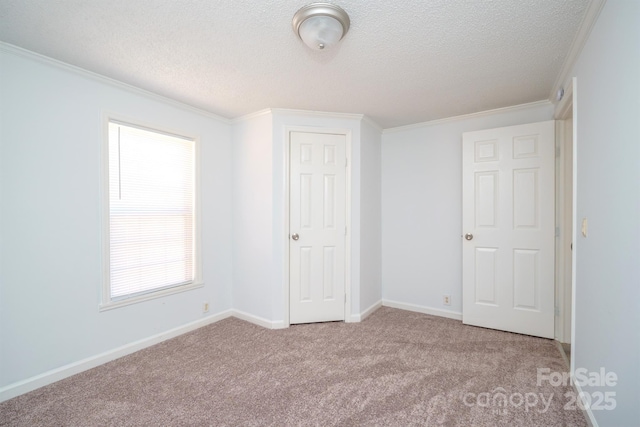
<point>557,151</point>
<point>345,298</point>
<point>345,230</point>
<point>557,231</point>
<point>346,162</point>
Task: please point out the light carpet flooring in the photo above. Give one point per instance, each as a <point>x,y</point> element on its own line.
<point>396,368</point>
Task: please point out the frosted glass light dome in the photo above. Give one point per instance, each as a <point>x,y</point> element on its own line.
<point>319,32</point>
<point>321,25</point>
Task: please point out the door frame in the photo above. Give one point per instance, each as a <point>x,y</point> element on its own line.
<point>286,231</point>
<point>566,232</point>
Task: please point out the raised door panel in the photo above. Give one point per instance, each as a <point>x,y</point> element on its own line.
<point>508,208</point>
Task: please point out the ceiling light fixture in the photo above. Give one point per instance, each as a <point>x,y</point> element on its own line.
<point>321,25</point>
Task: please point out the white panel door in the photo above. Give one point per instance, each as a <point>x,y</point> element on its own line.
<point>317,227</point>
<point>508,219</point>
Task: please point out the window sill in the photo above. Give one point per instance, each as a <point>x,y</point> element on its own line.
<point>146,297</point>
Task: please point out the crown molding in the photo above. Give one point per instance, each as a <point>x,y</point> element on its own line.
<point>372,123</point>
<point>312,113</point>
<point>250,116</point>
<point>18,51</point>
<point>512,109</point>
<point>566,103</point>
<point>588,21</point>
<point>308,113</point>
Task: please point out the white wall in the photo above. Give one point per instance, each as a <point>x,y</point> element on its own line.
<point>253,273</point>
<point>260,233</point>
<point>607,304</point>
<point>370,217</point>
<point>422,207</point>
<point>50,217</point>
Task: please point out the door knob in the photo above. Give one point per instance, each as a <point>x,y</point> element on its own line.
<point>295,236</point>
<point>468,236</point>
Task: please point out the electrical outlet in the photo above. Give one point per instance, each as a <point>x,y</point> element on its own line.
<point>205,307</point>
<point>446,299</point>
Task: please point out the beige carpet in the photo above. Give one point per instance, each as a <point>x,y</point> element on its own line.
<point>396,368</point>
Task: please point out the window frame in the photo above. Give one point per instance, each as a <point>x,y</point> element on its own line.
<point>106,302</point>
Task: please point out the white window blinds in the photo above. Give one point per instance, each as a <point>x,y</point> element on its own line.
<point>151,211</point>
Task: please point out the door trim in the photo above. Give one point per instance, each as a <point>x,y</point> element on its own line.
<point>347,248</point>
<point>565,290</point>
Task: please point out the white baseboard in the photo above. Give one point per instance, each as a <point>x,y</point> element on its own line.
<point>368,312</point>
<point>49,377</point>
<point>422,309</point>
<point>257,320</point>
<point>587,412</point>
<point>563,354</point>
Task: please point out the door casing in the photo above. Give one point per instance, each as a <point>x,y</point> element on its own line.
<point>286,232</point>
<point>567,220</point>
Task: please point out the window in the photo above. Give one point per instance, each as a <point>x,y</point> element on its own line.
<point>151,214</point>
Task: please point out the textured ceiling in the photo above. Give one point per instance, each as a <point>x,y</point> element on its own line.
<point>402,62</point>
